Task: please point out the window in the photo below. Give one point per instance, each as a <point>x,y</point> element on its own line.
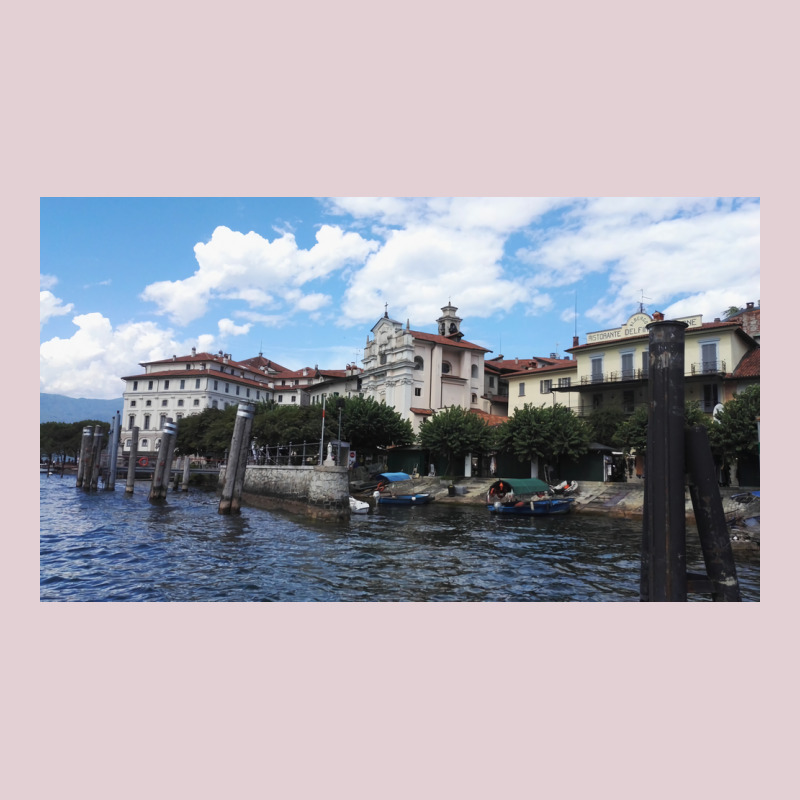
<point>227,388</point>
<point>144,444</point>
<point>417,391</point>
<point>147,422</point>
<point>149,384</point>
<point>128,443</point>
<point>195,402</point>
<point>162,420</point>
<point>474,398</point>
<point>597,369</point>
<point>522,390</point>
<point>180,402</point>
<point>216,385</point>
<point>564,383</point>
<point>197,383</point>
<point>166,384</point>
<point>135,385</point>
<point>183,384</point>
<point>131,421</point>
<point>710,397</point>
<point>545,387</point>
<point>627,402</point>
<point>163,403</point>
<point>179,416</point>
<point>247,392</point>
<point>237,390</point>
<point>280,398</point>
<point>491,381</point>
<point>597,400</point>
<point>213,404</point>
<point>627,365</point>
<point>382,358</point>
<point>418,362</point>
<point>133,404</point>
<point>708,356</point>
<point>474,370</point>
<point>294,399</point>
<point>445,367</point>
<point>148,403</point>
<point>258,394</point>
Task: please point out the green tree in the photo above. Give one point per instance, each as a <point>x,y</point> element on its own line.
<point>206,434</point>
<point>63,439</point>
<point>632,433</point>
<point>735,433</point>
<point>454,433</point>
<point>369,425</point>
<point>603,424</point>
<point>544,432</point>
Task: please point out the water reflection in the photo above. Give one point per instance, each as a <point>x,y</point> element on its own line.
<point>111,546</point>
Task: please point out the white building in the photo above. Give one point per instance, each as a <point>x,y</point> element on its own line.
<point>420,373</point>
<point>180,386</point>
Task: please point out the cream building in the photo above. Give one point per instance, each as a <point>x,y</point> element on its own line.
<point>420,373</point>
<point>612,366</point>
<point>543,386</point>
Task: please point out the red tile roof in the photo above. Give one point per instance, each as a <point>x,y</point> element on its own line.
<point>750,365</point>
<point>563,364</point>
<point>426,412</point>
<point>491,419</point>
<point>443,340</point>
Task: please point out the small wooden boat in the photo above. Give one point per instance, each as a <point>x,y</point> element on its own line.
<point>504,498</point>
<point>534,508</point>
<point>417,499</point>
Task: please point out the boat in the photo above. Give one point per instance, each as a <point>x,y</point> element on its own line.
<point>418,499</point>
<point>358,506</point>
<point>504,497</point>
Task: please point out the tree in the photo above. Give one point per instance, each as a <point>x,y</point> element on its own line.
<point>454,433</point>
<point>735,434</point>
<point>206,434</point>
<point>368,424</point>
<point>544,432</point>
<point>603,424</point>
<point>632,433</point>
<point>63,439</point>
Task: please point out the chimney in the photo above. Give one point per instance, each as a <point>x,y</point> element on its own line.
<point>194,351</point>
<point>749,306</point>
<point>575,341</point>
<point>658,316</point>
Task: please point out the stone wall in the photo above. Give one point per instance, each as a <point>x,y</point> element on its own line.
<point>317,491</point>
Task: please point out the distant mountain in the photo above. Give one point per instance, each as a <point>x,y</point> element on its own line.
<point>57,408</point>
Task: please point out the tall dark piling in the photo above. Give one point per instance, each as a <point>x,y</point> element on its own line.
<point>663,573</point>
<point>170,443</point>
<point>84,457</point>
<point>94,469</point>
<point>133,457</point>
<point>113,449</point>
<point>157,482</point>
<point>186,466</point>
<point>712,526</point>
<point>230,502</point>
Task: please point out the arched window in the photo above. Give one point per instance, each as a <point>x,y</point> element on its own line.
<point>474,398</point>
<point>418,362</point>
<point>144,444</point>
<point>474,370</point>
<point>445,367</point>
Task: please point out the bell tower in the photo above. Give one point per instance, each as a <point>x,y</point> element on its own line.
<point>450,323</point>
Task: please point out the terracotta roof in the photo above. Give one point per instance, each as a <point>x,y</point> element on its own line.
<point>515,364</point>
<point>750,365</point>
<point>562,365</point>
<point>443,340</point>
<point>426,412</point>
<point>259,361</point>
<point>491,419</point>
<point>197,373</point>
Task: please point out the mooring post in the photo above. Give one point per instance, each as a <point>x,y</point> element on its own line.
<point>663,576</point>
<point>83,458</point>
<point>113,447</point>
<point>185,483</point>
<point>170,443</point>
<point>133,456</point>
<point>161,460</point>
<point>712,526</point>
<point>230,502</point>
<point>97,443</point>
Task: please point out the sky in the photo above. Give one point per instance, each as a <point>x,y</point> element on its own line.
<point>303,280</point>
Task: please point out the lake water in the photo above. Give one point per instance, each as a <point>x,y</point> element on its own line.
<point>109,546</point>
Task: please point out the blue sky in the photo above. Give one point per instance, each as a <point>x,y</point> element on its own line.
<point>303,280</point>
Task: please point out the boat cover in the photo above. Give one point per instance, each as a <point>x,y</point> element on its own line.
<point>522,485</point>
<point>396,476</point>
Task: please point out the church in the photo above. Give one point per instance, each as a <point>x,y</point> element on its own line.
<point>420,373</point>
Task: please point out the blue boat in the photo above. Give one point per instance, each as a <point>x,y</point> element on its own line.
<point>418,499</point>
<point>504,497</point>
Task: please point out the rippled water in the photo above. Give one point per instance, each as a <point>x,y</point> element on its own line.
<point>109,546</point>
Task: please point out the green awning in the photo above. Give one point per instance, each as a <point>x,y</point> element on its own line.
<point>523,485</point>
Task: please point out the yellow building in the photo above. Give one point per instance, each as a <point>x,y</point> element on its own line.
<point>543,386</point>
<point>611,369</point>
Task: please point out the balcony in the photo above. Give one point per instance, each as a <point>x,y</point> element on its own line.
<point>708,368</point>
<point>614,377</point>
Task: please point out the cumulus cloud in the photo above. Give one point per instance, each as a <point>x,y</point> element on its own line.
<point>254,269</point>
<point>47,281</point>
<point>91,362</point>
<point>51,306</point>
<point>227,327</point>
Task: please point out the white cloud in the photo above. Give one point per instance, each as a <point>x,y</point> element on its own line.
<point>254,269</point>
<point>51,306</point>
<point>91,362</point>
<point>228,328</point>
<point>47,281</point>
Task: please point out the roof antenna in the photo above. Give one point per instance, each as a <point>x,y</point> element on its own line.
<point>641,304</point>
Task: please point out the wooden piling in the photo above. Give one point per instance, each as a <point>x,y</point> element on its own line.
<point>230,502</point>
<point>97,446</point>
<point>113,449</point>
<point>133,457</point>
<point>83,458</point>
<point>186,466</point>
<point>663,571</point>
<point>712,526</point>
<point>169,442</point>
<point>158,471</point>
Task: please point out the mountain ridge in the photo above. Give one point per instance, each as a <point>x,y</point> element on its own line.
<point>60,408</point>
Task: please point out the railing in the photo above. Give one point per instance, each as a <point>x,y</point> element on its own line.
<point>291,454</point>
<point>615,377</point>
<point>708,368</point>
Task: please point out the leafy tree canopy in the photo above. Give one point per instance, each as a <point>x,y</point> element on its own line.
<point>548,433</point>
<point>455,432</point>
<point>63,439</point>
<point>368,425</point>
<point>735,434</point>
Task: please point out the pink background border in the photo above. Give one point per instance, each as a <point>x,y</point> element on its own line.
<point>374,700</point>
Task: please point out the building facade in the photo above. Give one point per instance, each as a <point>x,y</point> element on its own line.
<point>420,373</point>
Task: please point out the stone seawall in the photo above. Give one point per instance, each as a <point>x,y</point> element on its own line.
<point>319,492</point>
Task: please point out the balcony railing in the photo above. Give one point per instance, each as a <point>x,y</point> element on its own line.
<point>708,368</point>
<point>615,377</point>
